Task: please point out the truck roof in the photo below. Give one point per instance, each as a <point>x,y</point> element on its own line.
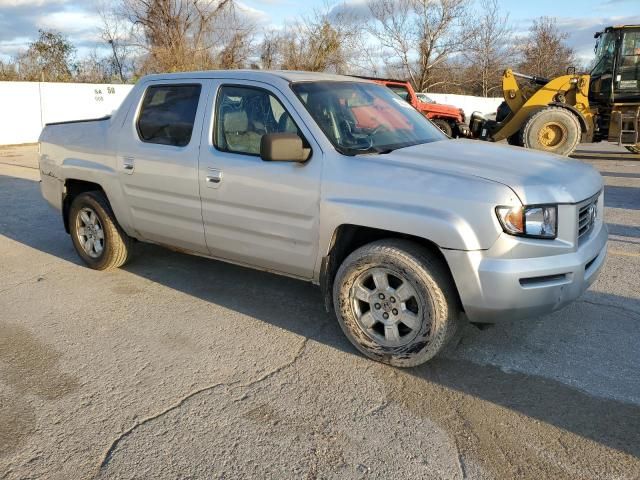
<point>287,75</point>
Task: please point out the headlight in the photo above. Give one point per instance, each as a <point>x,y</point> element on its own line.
<point>540,221</point>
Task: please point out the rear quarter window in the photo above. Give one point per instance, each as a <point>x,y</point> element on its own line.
<point>167,114</point>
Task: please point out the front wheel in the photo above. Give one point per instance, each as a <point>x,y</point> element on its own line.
<point>396,302</point>
<point>96,235</point>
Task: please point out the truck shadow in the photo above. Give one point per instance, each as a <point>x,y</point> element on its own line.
<point>466,367</point>
<point>481,365</point>
<point>622,197</point>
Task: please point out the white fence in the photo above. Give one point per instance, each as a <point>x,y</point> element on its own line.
<point>26,106</point>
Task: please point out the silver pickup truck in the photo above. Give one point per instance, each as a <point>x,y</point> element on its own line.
<point>339,182</point>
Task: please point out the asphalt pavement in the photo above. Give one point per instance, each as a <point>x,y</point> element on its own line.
<point>182,367</point>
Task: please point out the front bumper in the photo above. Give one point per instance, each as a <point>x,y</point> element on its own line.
<point>494,287</point>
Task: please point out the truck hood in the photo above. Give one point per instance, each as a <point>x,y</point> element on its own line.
<point>534,176</point>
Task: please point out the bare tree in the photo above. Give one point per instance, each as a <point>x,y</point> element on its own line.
<point>545,51</point>
<point>232,37</point>
<point>174,33</point>
<point>178,35</point>
<point>270,49</point>
<point>117,34</point>
<point>489,50</point>
<point>323,41</point>
<point>94,69</point>
<point>419,35</point>
<point>8,71</point>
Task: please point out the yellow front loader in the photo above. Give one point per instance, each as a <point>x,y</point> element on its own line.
<point>555,115</point>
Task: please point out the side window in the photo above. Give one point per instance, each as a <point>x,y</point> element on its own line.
<point>402,92</point>
<point>630,62</point>
<point>167,114</point>
<point>244,115</point>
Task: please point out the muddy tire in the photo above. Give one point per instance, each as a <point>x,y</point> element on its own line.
<point>396,302</point>
<point>96,235</point>
<point>553,130</point>
<point>444,126</point>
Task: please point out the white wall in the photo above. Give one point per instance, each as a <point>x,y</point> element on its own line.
<point>26,106</point>
<point>468,103</point>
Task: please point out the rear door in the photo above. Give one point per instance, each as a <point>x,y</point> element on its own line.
<point>264,214</point>
<point>158,163</point>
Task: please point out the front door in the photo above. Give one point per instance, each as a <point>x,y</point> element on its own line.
<point>263,214</point>
<point>157,163</point>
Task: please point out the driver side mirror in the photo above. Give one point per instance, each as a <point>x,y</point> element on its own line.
<point>283,147</point>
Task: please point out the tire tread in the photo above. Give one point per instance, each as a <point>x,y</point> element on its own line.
<point>443,295</point>
<point>119,252</point>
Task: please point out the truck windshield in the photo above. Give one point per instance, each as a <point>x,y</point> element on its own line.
<point>361,118</point>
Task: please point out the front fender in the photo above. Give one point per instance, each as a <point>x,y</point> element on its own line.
<point>444,228</point>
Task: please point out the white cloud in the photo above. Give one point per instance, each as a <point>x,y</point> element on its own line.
<point>28,3</point>
<point>582,29</point>
<point>252,14</point>
<point>69,21</point>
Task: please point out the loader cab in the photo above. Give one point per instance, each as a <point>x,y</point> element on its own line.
<point>615,76</point>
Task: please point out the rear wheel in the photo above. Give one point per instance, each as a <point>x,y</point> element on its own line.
<point>396,302</point>
<point>95,232</point>
<point>444,126</point>
<point>552,129</point>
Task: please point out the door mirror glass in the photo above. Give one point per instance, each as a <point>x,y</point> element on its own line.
<point>283,147</point>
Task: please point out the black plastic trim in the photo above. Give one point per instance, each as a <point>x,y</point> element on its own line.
<point>100,119</point>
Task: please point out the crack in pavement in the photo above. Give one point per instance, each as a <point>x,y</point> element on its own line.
<point>626,310</point>
<point>106,458</point>
<point>114,444</point>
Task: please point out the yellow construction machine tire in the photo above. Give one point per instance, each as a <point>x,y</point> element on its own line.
<point>551,129</point>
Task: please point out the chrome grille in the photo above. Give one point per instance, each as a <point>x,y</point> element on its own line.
<point>587,214</point>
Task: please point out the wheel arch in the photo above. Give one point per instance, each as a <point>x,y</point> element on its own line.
<point>347,238</point>
<point>72,188</point>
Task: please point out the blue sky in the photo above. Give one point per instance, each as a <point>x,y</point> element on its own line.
<point>20,19</point>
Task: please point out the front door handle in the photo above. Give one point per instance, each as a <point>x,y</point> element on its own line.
<point>128,164</point>
<point>214,178</point>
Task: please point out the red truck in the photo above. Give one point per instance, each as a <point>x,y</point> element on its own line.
<point>449,119</point>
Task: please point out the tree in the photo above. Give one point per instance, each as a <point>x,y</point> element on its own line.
<point>489,50</point>
<point>180,35</point>
<point>321,42</point>
<point>94,69</point>
<point>544,51</point>
<point>8,71</point>
<point>232,39</point>
<point>49,59</point>
<point>117,35</point>
<point>419,35</point>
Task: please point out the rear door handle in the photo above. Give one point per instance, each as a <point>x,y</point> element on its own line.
<point>128,164</point>
<point>213,178</point>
